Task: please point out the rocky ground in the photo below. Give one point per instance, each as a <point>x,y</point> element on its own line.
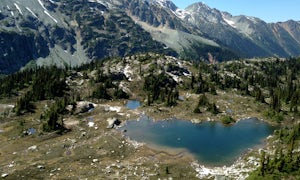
<point>94,148</point>
<point>90,150</point>
<point>94,151</point>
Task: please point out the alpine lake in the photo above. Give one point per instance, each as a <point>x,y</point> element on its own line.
<point>211,143</point>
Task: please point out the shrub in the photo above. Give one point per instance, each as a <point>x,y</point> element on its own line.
<point>227,120</point>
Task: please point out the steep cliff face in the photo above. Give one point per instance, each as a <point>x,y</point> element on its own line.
<point>22,49</point>
<point>68,33</point>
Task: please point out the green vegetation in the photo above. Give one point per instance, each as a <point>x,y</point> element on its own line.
<point>214,91</point>
<point>161,88</point>
<point>204,103</point>
<point>199,51</point>
<point>227,120</point>
<point>285,163</point>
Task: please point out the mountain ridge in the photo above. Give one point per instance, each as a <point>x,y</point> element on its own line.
<point>69,33</point>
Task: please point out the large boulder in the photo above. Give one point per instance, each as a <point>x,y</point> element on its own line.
<point>111,122</point>
<point>85,106</point>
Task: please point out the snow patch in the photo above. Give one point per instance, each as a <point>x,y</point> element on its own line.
<point>46,12</point>
<point>41,3</point>
<point>113,108</point>
<point>161,2</point>
<point>128,72</point>
<point>181,13</point>
<point>31,12</point>
<point>250,18</point>
<point>230,22</point>
<point>18,8</point>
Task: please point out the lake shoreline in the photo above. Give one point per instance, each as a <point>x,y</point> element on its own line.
<point>245,163</point>
<point>183,150</point>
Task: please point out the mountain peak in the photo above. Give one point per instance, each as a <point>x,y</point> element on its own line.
<point>165,3</point>
<point>199,6</point>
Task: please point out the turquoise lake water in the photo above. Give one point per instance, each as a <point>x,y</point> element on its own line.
<point>211,143</point>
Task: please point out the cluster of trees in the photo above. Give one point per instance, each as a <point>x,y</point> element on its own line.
<point>204,103</point>
<point>43,83</point>
<point>200,51</point>
<point>277,81</point>
<point>286,160</point>
<point>106,88</point>
<point>52,116</point>
<point>161,88</point>
<point>9,85</point>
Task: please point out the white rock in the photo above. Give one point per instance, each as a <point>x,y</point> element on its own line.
<point>91,124</point>
<point>41,167</point>
<point>111,122</point>
<point>4,175</point>
<point>32,148</point>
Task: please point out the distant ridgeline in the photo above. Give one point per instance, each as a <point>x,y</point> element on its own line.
<point>71,33</point>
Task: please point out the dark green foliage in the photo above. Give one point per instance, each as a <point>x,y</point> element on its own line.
<point>17,81</point>
<point>213,108</point>
<point>283,163</point>
<point>105,87</point>
<point>101,92</point>
<point>275,104</point>
<point>44,83</point>
<point>161,88</point>
<point>53,115</point>
<point>41,84</point>
<point>199,51</point>
<point>167,170</point>
<point>204,102</point>
<point>227,120</point>
<point>257,93</point>
<point>120,94</point>
<point>24,104</point>
<point>276,81</point>
<point>197,110</point>
<point>275,116</point>
<point>295,101</point>
<point>49,83</point>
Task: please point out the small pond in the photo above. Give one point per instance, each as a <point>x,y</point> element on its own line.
<point>211,143</point>
<point>133,104</point>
